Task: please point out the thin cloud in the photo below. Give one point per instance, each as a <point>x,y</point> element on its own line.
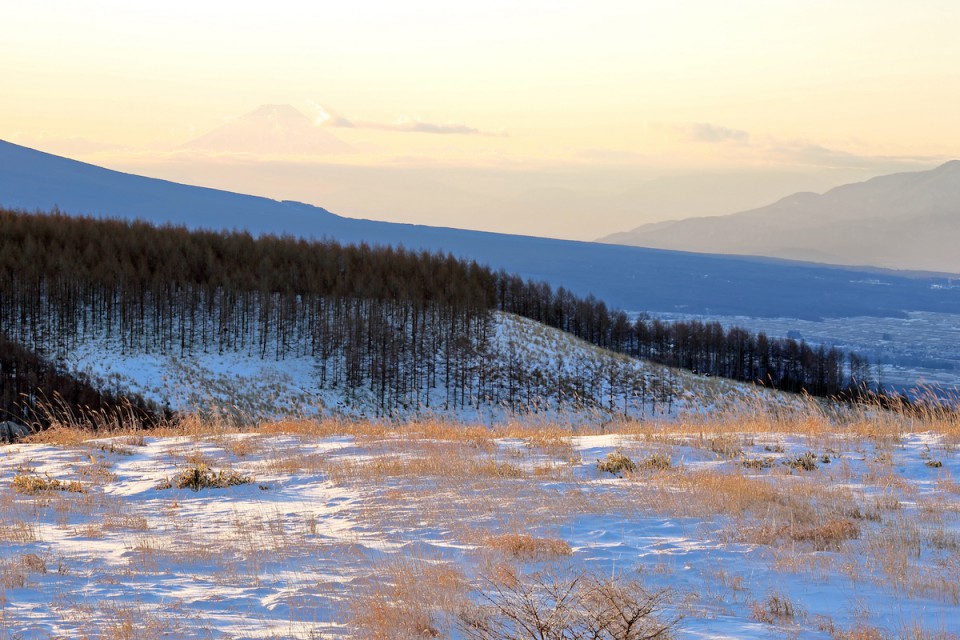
<point>64,145</point>
<point>329,117</point>
<point>706,132</point>
<point>813,154</point>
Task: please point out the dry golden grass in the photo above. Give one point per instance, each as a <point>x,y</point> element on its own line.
<point>33,483</point>
<point>522,546</point>
<point>22,532</point>
<point>429,459</point>
<point>828,535</point>
<point>775,609</point>
<point>409,599</point>
<point>16,571</point>
<point>860,632</point>
<point>291,460</point>
<point>743,479</point>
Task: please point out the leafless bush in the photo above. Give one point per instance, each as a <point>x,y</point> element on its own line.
<point>577,606</point>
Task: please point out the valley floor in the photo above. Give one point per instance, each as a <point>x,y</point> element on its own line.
<point>749,526</point>
<point>920,350</point>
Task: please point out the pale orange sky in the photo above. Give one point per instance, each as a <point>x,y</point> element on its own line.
<point>555,118</point>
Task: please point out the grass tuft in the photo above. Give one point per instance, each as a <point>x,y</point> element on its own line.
<point>526,547</point>
<point>32,484</point>
<point>200,476</point>
<point>617,463</point>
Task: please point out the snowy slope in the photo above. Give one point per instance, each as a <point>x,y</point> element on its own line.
<point>545,363</point>
<point>625,277</point>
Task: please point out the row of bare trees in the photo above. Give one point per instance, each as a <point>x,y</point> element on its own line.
<point>704,347</point>
<point>390,323</point>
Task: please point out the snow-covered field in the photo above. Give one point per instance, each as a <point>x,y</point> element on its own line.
<point>329,529</point>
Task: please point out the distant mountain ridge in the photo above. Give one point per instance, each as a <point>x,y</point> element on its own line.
<point>898,221</point>
<point>629,278</point>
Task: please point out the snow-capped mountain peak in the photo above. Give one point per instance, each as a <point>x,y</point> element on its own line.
<point>271,129</point>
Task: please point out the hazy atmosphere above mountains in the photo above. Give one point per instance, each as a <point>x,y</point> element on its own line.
<point>560,119</point>
<point>900,221</point>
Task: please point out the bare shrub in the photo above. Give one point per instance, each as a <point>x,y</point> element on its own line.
<point>547,606</point>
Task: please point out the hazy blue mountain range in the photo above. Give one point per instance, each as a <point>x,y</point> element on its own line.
<point>899,221</point>
<point>630,278</point>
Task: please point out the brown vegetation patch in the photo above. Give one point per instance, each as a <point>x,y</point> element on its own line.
<point>526,547</point>
<point>32,484</point>
<point>828,535</point>
<point>199,476</point>
<point>409,600</point>
<point>617,463</point>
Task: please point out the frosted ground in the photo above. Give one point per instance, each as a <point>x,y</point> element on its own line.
<point>367,531</point>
